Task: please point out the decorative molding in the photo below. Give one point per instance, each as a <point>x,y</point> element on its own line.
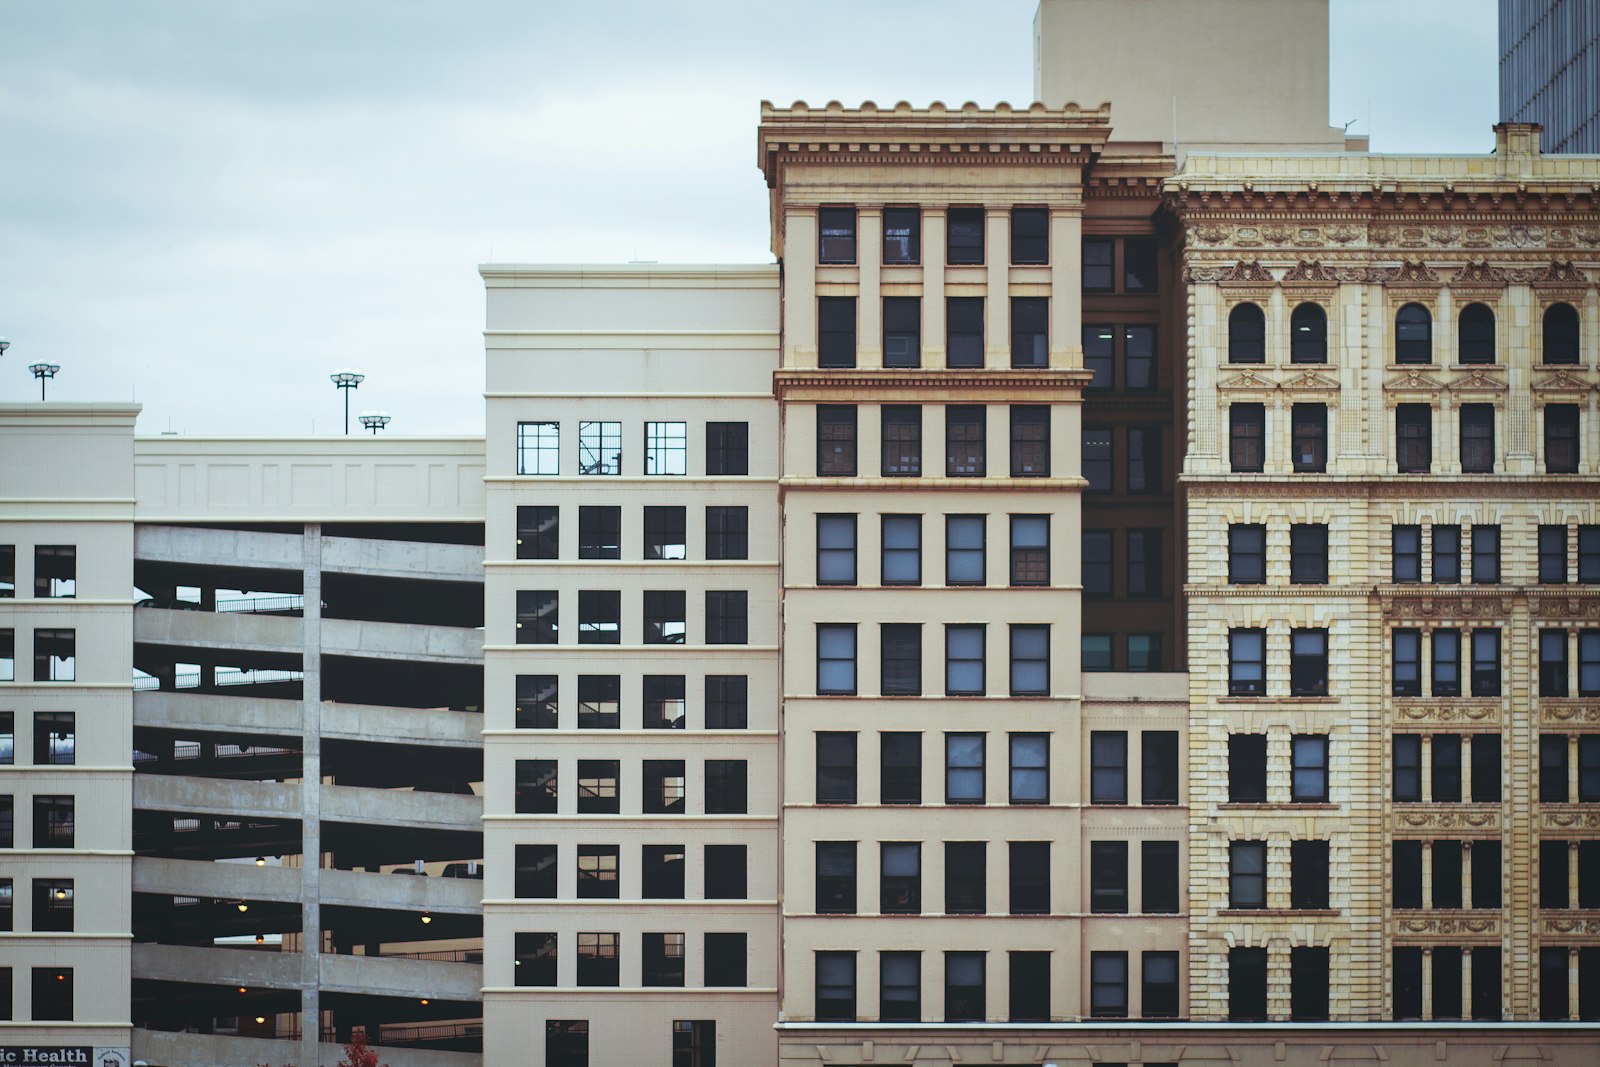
<point>1477,380</point>
<point>1419,713</point>
<point>1312,381</point>
<point>1554,713</point>
<point>1559,273</point>
<point>1570,604</point>
<point>1312,272</point>
<point>1568,819</point>
<point>1479,275</point>
<point>1423,604</point>
<point>1412,378</point>
<point>1569,925</point>
<point>1576,380</point>
<point>1406,818</point>
<point>1248,380</point>
<point>1448,926</point>
<point>1410,274</point>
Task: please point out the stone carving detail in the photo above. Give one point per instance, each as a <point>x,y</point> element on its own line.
<point>1562,381</point>
<point>1248,271</point>
<point>1442,927</point>
<point>1570,820</point>
<point>1560,272</point>
<point>1467,606</point>
<point>1564,925</point>
<point>1342,234</point>
<point>1568,713</point>
<point>1413,378</point>
<point>1210,234</point>
<point>1478,379</point>
<point>1351,274</point>
<point>1589,235</point>
<point>1449,713</point>
<point>1480,274</point>
<point>1313,380</point>
<point>1409,272</point>
<point>1447,820</point>
<point>1247,380</point>
<point>1444,235</point>
<point>1310,270</point>
<point>1557,606</point>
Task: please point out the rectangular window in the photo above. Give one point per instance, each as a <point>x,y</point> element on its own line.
<point>1561,438</point>
<point>1030,986</point>
<point>1308,874</point>
<point>1486,874</point>
<point>836,768</point>
<point>964,660</point>
<point>538,448</point>
<point>1485,555</point>
<point>8,738</point>
<point>665,533</point>
<point>663,962</point>
<point>727,532</point>
<point>1247,768</point>
<point>1308,983</point>
<point>1108,767</point>
<point>1553,663</point>
<point>537,872</point>
<point>1030,550</point>
<point>1144,563</point>
<point>538,701</point>
<point>1108,984</point>
<point>1308,663</point>
<point>598,872</point>
<point>1144,459</point>
<point>1588,874</point>
<point>1030,331</point>
<point>836,878</point>
<point>599,962</point>
<point>964,441</point>
<point>1247,984</point>
<point>727,617</point>
<point>1030,877</point>
<point>836,331</point>
<point>1247,874</point>
<point>600,615</point>
<point>900,987</point>
<point>727,448</point>
<point>600,448</point>
<point>727,960</point>
<point>726,872</point>
<point>965,878</point>
<point>965,236</point>
<point>8,586</point>
<point>1446,555</point>
<point>836,987</point>
<point>1588,768</point>
<point>1159,877</point>
<point>1413,431</point>
<point>1486,663</point>
<point>598,792</point>
<point>1446,663</point>
<point>1308,554</point>
<point>666,787</point>
<point>666,704</point>
<point>1553,894</point>
<point>1552,555</point>
<point>1247,663</point>
<point>1095,652</point>
<point>1029,659</point>
<point>1554,1004</point>
<point>55,571</point>
<point>1486,768</point>
<point>566,1043</point>
<point>1446,982</point>
<point>1098,276</point>
<point>599,531</point>
<point>52,905</point>
<point>899,878</point>
<point>1098,455</point>
<point>1447,868</point>
<point>964,993</point>
<point>1099,356</point>
<point>1589,554</point>
<point>1097,563</point>
<point>1405,551</point>
<point>1407,767</point>
<point>666,448</point>
<point>599,702</point>
<point>1309,424</point>
<point>836,658</point>
<point>1139,358</point>
<point>1247,554</point>
<point>836,440</point>
<point>902,235</point>
<point>900,658</point>
<point>1030,768</point>
<point>694,1042</point>
<point>901,562</point>
<point>535,959</point>
<point>1030,441</point>
<point>1407,971</point>
<point>1486,979</point>
<point>537,531</point>
<point>963,316</point>
<point>536,616</point>
<point>1247,434</point>
<point>1138,265</point>
<point>536,787</point>
<point>1158,764</point>
<point>1477,438</point>
<point>1309,781</point>
<point>1406,670</point>
<point>1407,866</point>
<point>1159,985</point>
<point>1589,663</point>
<point>8,819</point>
<point>55,655</point>
<point>836,235</point>
<point>836,550</point>
<point>902,441</point>
<point>902,331</point>
<point>52,994</point>
<point>55,738</point>
<point>1030,235</point>
<point>727,787</point>
<point>900,768</point>
<point>963,769</point>
<point>727,702</point>
<point>1108,877</point>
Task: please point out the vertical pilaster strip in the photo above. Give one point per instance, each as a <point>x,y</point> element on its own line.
<point>311,799</point>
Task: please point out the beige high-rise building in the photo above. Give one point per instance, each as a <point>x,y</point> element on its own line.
<point>1120,589</point>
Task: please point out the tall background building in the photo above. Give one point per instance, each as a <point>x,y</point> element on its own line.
<point>1118,590</point>
<point>1550,70</point>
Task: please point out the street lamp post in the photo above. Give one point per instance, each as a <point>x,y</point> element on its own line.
<point>344,381</point>
<point>374,420</point>
<point>43,371</point>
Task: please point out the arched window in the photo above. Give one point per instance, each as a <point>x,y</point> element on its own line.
<point>1561,334</point>
<point>1475,339</point>
<point>1308,334</point>
<point>1413,335</point>
<point>1247,335</point>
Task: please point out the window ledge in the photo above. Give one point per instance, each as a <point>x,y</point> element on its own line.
<point>1280,913</point>
<point>1287,807</point>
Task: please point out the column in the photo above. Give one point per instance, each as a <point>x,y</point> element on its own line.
<point>1427,874</point>
<point>1066,285</point>
<point>1466,982</point>
<point>1426,774</point>
<point>869,294</point>
<point>800,287</point>
<point>997,296</point>
<point>933,254</point>
<point>1427,975</point>
<point>311,798</point>
<point>1572,874</point>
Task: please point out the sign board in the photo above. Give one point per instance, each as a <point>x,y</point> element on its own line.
<point>61,1056</point>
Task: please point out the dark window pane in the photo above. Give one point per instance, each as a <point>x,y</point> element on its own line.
<point>1247,334</point>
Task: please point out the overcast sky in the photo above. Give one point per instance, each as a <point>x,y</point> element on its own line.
<point>208,207</point>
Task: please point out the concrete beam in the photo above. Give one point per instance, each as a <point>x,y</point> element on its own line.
<point>417,560</point>
<point>225,713</point>
<point>375,976</point>
<point>217,548</point>
<point>398,807</point>
<point>371,557</point>
<point>349,889</point>
<point>361,638</point>
<point>277,800</point>
<point>381,977</point>
<point>211,1050</point>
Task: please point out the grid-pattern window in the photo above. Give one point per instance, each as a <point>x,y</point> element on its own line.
<point>665,533</point>
<point>900,648</point>
<point>599,531</point>
<point>1030,877</point>
<point>1247,768</point>
<point>536,874</point>
<point>727,532</point>
<point>836,768</point>
<point>1108,877</point>
<point>600,448</point>
<point>1552,555</point>
<point>1139,358</point>
<point>1308,663</point>
<point>1099,356</point>
<point>1406,666</point>
<point>665,702</point>
<point>964,540</point>
<point>727,617</point>
<point>1158,763</point>
<point>1159,985</point>
<point>1030,441</point>
<point>836,331</point>
<point>902,331</point>
<point>1405,552</point>
<point>1098,265</point>
<point>1308,875</point>
<point>1308,554</point>
<point>963,331</point>
<point>1486,663</point>
<point>1413,335</point>
<point>902,235</point>
<point>727,787</point>
<point>1108,984</point>
<point>1144,460</point>
<point>1097,562</point>
<point>1309,427</point>
<point>1561,438</point>
<point>1030,550</point>
<point>55,571</point>
<point>727,702</point>
<point>965,878</point>
<point>55,655</point>
<point>599,959</point>
<point>55,738</point>
<point>1247,432</point>
<point>727,448</point>
<point>598,792</point>
<point>599,702</point>
<point>1309,755</point>
<point>1485,554</point>
<point>535,787</point>
<point>836,658</point>
<point>964,432</point>
<point>1030,660</point>
<point>1247,554</point>
<point>666,787</point>
<point>538,448</point>
<point>1413,431</point>
<point>1030,768</point>
<point>1030,235</point>
<point>964,660</point>
<point>1108,767</point>
<point>836,550</point>
<point>900,877</point>
<point>901,562</point>
<point>1247,874</point>
<point>537,531</point>
<point>902,441</point>
<point>538,622</point>
<point>666,448</point>
<point>964,235</point>
<point>1477,438</point>
<point>836,987</point>
<point>1247,662</point>
<point>900,987</point>
<point>1446,555</point>
<point>963,769</point>
<point>600,616</point>
<point>1030,331</point>
<point>836,877</point>
<point>900,768</point>
<point>836,235</point>
<point>836,440</point>
<point>1144,562</point>
<point>1407,761</point>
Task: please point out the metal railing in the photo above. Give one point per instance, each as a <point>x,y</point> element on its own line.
<point>443,955</point>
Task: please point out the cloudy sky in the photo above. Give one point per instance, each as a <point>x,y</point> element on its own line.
<point>209,206</point>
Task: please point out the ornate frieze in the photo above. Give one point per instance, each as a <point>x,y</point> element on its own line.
<point>1562,713</point>
<point>1435,713</point>
<point>1407,602</point>
<point>1408,819</point>
<point>1569,926</point>
<point>1423,927</point>
<point>1557,817</point>
<point>1571,604</point>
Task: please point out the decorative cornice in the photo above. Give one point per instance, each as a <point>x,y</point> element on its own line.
<point>1420,602</point>
<point>1067,383</point>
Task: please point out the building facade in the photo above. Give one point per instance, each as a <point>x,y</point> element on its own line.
<point>1550,70</point>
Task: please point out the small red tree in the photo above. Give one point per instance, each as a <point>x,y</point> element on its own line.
<point>357,1054</point>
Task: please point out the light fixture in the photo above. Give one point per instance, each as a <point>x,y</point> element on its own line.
<point>261,861</point>
<point>261,1018</point>
<point>426,918</point>
<point>61,894</point>
<point>43,371</point>
<point>242,989</point>
<point>346,380</point>
<point>424,1001</point>
<point>60,977</point>
<point>242,906</point>
<point>261,939</point>
<point>374,420</point>
<point>4,344</point>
